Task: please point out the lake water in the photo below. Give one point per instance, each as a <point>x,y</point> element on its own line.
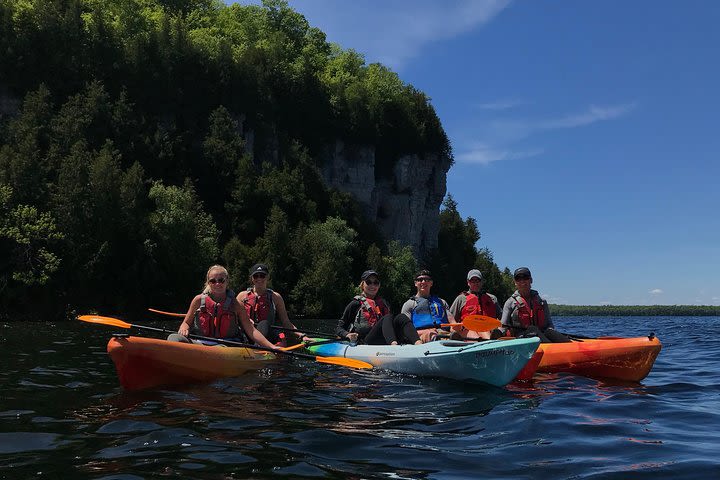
<point>63,415</point>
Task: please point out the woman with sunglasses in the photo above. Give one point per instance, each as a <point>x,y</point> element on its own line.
<point>427,311</point>
<point>216,313</point>
<point>526,314</point>
<point>264,306</point>
<point>367,318</point>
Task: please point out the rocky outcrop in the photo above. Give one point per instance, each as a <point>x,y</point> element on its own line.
<point>405,206</point>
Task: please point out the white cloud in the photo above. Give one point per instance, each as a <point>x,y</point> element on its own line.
<point>655,291</point>
<point>394,32</point>
<point>485,155</point>
<point>500,105</point>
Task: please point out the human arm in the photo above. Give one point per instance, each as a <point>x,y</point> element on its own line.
<point>457,306</point>
<point>506,320</point>
<point>548,318</point>
<point>283,316</point>
<point>346,320</point>
<point>450,315</point>
<point>186,324</point>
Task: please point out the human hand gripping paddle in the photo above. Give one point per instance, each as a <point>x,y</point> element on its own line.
<point>477,323</point>
<point>114,322</point>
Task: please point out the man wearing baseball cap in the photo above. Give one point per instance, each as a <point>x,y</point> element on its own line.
<point>475,301</point>
<point>526,314</point>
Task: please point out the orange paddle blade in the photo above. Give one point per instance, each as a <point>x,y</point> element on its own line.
<point>167,313</point>
<point>292,347</point>
<point>344,362</point>
<point>480,323</point>
<point>113,322</point>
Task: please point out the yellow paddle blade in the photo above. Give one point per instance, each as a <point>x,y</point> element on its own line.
<point>167,313</point>
<point>480,323</point>
<point>344,362</point>
<point>113,322</point>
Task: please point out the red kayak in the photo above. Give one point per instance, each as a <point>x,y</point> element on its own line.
<point>148,362</point>
<point>609,357</point>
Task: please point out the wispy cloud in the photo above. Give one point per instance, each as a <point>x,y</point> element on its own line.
<point>498,137</point>
<point>394,32</point>
<point>655,291</point>
<point>500,105</point>
<point>485,155</point>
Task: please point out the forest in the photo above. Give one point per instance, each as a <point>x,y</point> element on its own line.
<point>142,141</point>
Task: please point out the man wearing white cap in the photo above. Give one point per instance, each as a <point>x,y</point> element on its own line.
<point>475,301</point>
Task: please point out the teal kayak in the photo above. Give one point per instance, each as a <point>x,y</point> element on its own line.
<point>495,362</point>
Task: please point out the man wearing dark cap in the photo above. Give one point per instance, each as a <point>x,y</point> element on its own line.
<point>426,311</point>
<point>475,301</point>
<point>264,306</point>
<point>526,314</point>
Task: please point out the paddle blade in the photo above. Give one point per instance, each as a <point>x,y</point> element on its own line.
<point>113,322</point>
<point>480,323</point>
<point>167,313</point>
<point>344,362</point>
<point>292,347</point>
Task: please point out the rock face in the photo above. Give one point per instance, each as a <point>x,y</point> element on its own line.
<point>406,206</point>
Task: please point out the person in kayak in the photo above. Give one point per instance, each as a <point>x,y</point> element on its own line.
<point>264,306</point>
<point>216,313</point>
<point>526,314</point>
<point>368,319</point>
<point>475,301</point>
<point>427,311</point>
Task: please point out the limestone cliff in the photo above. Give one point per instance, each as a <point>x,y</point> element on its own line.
<point>406,206</point>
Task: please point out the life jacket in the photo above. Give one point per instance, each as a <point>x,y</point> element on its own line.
<point>260,307</point>
<point>213,319</point>
<point>525,315</point>
<point>428,312</point>
<point>484,305</point>
<point>370,311</point>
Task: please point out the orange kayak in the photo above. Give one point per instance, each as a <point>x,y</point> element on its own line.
<point>148,362</point>
<point>611,357</point>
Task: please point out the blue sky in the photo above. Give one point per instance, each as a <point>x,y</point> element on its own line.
<point>586,134</point>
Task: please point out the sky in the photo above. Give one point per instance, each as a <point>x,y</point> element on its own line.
<point>586,135</point>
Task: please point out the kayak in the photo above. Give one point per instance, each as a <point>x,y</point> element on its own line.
<point>494,362</point>
<point>149,362</point>
<point>611,357</point>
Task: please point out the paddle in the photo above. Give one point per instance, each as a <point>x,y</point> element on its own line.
<point>317,334</point>
<point>477,323</point>
<point>167,313</point>
<point>114,322</point>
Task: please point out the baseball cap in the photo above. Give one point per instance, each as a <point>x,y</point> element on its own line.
<point>522,271</point>
<point>474,273</point>
<point>259,268</point>
<point>368,273</point>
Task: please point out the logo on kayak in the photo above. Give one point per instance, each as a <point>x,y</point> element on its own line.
<point>494,352</point>
<point>384,354</point>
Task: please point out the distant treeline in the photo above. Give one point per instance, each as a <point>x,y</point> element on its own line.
<point>635,310</point>
<point>142,141</point>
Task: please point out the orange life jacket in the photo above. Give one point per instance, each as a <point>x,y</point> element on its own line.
<point>484,305</point>
<point>526,315</point>
<point>260,307</point>
<point>370,310</point>
<point>217,320</point>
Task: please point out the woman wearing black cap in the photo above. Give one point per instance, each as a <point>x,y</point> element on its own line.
<point>367,318</point>
<point>264,305</point>
<point>526,314</point>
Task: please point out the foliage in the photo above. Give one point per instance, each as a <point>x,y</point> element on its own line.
<point>635,310</point>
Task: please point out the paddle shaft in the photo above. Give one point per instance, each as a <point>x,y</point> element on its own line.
<point>317,334</point>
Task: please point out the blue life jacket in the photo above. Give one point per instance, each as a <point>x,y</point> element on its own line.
<point>428,312</point>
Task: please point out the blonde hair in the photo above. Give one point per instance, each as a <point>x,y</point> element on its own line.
<point>214,268</point>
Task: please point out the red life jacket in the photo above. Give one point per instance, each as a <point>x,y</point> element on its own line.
<point>484,305</point>
<point>370,310</point>
<point>260,307</point>
<point>217,320</point>
<point>526,315</point>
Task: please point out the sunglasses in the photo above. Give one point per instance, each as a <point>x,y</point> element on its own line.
<point>475,280</point>
<point>423,279</point>
<point>216,280</point>
<point>372,282</point>
<point>259,275</point>
<point>522,277</point>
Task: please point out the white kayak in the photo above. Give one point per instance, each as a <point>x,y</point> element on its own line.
<point>493,362</point>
